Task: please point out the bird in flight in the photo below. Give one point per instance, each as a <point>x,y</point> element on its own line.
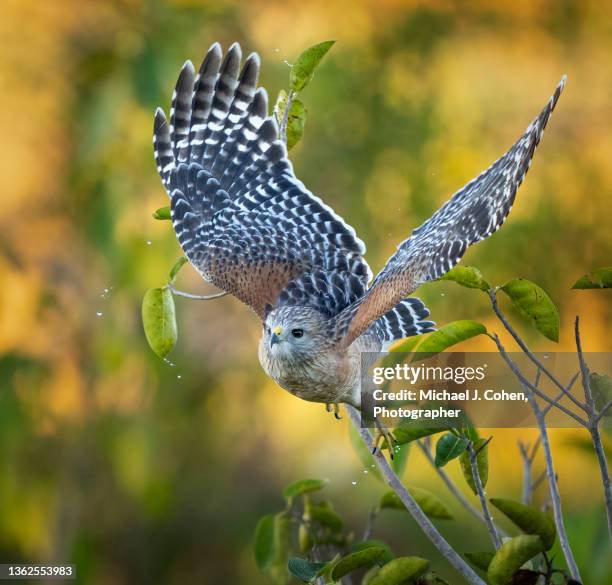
<point>250,227</point>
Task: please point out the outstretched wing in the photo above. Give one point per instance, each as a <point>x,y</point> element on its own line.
<point>243,219</point>
<point>472,214</point>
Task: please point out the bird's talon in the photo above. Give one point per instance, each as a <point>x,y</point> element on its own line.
<point>337,411</point>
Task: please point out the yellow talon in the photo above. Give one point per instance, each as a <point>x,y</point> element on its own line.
<point>385,437</point>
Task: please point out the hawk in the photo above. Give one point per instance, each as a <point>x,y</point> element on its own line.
<point>250,227</point>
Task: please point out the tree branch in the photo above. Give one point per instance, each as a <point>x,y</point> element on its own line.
<point>594,419</point>
<point>555,495</point>
<point>421,519</point>
<point>452,488</point>
<point>529,353</point>
<point>285,120</point>
<point>495,538</point>
<point>180,293</point>
<point>526,384</point>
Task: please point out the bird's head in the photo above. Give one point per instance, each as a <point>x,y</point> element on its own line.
<point>295,332</point>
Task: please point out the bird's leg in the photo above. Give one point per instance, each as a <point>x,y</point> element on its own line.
<point>383,435</point>
<point>335,408</point>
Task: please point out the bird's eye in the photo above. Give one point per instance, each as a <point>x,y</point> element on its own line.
<point>297,332</point>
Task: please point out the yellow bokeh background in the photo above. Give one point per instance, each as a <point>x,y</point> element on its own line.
<point>140,471</point>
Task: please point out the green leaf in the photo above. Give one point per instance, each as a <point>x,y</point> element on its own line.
<point>480,560</point>
<point>482,461</point>
<point>449,335</point>
<point>513,554</point>
<point>280,106</point>
<point>406,434</point>
<point>278,570</point>
<point>400,570</point>
<point>362,558</point>
<point>296,121</point>
<point>303,486</point>
<point>449,447</point>
<point>601,388</point>
<point>159,320</point>
<point>430,579</point>
<point>305,65</point>
<point>400,459</point>
<point>325,515</point>
<point>175,269</point>
<point>431,504</point>
<point>600,278</point>
<point>467,276</point>
<point>535,304</point>
<point>264,543</point>
<point>364,454</point>
<point>304,538</point>
<point>529,519</point>
<point>162,213</point>
<point>407,345</point>
<point>304,570</point>
<point>385,558</point>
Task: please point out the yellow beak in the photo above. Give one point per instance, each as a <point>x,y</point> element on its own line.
<point>277,330</point>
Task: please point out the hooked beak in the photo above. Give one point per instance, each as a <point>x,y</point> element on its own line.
<point>274,338</point>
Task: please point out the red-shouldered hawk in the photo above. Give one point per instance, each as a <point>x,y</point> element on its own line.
<point>250,227</point>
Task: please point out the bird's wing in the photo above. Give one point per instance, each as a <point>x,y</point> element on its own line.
<point>472,214</point>
<point>242,217</point>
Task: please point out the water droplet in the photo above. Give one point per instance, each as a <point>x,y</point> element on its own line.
<point>149,242</point>
<point>545,356</point>
<point>276,50</point>
<point>354,482</point>
<point>287,63</point>
<point>172,365</point>
<point>365,471</point>
<point>179,376</point>
<point>372,466</point>
<point>98,313</point>
<point>441,294</point>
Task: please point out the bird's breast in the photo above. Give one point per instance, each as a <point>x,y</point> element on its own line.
<point>325,377</point>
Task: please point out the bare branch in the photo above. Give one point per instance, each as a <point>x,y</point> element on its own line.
<point>369,528</point>
<point>603,412</point>
<point>180,293</point>
<point>529,353</point>
<point>605,474</point>
<point>555,495</point>
<point>558,397</point>
<point>594,419</point>
<point>584,369</point>
<point>415,511</point>
<point>285,120</point>
<point>527,472</point>
<point>452,488</point>
<point>493,533</point>
<point>527,385</point>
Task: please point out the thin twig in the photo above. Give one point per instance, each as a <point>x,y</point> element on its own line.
<point>181,293</point>
<point>538,481</point>
<point>594,419</point>
<point>527,473</point>
<point>493,533</point>
<point>285,120</point>
<point>421,519</point>
<point>558,397</point>
<point>527,384</point>
<point>555,495</point>
<point>452,488</point>
<point>529,353</point>
<point>603,412</point>
<point>369,528</point>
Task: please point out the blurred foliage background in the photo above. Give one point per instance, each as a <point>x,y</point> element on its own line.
<point>140,471</point>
